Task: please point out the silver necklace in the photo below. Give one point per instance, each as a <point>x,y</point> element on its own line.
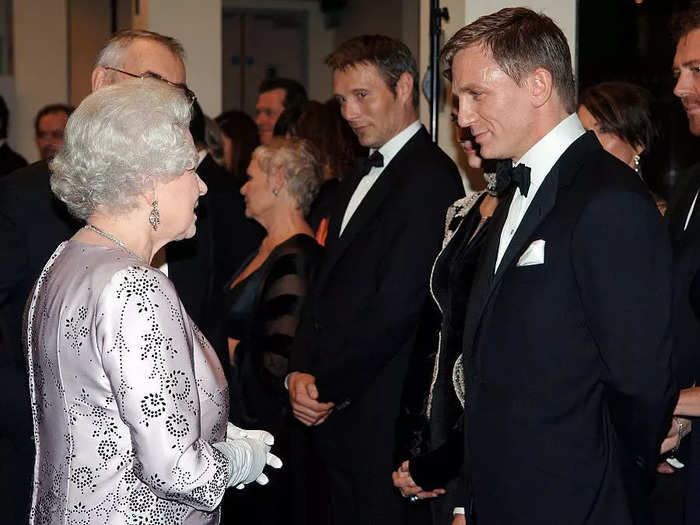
<point>112,238</point>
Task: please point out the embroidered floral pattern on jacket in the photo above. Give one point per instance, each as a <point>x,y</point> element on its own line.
<point>127,396</point>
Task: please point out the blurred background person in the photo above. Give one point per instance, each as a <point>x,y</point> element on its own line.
<point>10,160</point>
<point>620,114</point>
<point>239,137</point>
<point>48,127</point>
<point>338,147</point>
<point>115,362</point>
<point>275,96</point>
<point>286,125</point>
<point>213,140</point>
<point>264,302</point>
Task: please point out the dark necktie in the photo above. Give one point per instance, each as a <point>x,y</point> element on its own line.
<point>375,160</point>
<point>506,175</point>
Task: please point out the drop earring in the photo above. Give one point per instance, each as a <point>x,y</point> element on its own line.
<point>635,160</point>
<point>154,217</point>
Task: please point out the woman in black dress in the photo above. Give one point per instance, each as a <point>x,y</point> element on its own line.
<point>264,301</point>
<point>432,436</point>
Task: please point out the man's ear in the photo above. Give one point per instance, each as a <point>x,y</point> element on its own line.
<point>404,88</point>
<point>100,78</point>
<point>540,86</point>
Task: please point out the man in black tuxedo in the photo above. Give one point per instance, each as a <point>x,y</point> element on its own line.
<point>9,159</point>
<point>354,342</point>
<point>567,358</point>
<point>32,224</point>
<point>684,223</point>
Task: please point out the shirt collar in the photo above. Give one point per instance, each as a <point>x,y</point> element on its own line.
<point>541,157</point>
<point>398,141</point>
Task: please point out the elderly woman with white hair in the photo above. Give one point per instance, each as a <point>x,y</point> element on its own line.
<point>129,400</point>
<point>264,302</point>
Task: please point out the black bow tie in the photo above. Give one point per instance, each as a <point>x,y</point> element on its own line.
<point>506,175</point>
<point>375,160</point>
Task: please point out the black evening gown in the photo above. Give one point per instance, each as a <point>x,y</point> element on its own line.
<point>262,313</point>
<point>436,460</point>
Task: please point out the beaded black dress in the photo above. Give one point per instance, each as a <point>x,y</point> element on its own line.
<point>263,311</point>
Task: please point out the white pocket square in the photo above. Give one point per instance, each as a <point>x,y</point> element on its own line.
<point>533,255</point>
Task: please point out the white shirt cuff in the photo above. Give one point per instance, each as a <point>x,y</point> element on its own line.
<point>458,511</point>
<point>286,381</point>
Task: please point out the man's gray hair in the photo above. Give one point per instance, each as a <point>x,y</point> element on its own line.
<point>114,50</point>
<point>298,159</point>
<point>118,143</point>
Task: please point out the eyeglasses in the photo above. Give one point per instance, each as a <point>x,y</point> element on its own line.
<point>149,74</point>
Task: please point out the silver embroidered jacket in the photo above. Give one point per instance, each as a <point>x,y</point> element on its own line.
<point>127,396</point>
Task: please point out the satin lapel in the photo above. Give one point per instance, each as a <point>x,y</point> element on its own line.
<point>561,175</point>
<point>376,195</point>
<point>380,190</point>
<point>536,212</point>
<point>347,188</point>
<point>483,279</point>
<point>684,208</point>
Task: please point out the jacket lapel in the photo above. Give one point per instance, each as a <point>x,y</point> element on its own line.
<point>683,209</point>
<point>535,214</point>
<point>483,278</point>
<point>380,190</point>
<point>347,188</point>
<point>561,174</point>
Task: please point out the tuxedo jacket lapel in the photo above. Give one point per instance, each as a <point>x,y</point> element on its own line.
<point>536,212</point>
<point>376,195</point>
<point>347,188</point>
<point>483,278</point>
<point>561,174</point>
<point>683,209</point>
<point>379,191</point>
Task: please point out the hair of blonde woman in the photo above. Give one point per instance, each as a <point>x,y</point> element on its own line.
<point>298,159</point>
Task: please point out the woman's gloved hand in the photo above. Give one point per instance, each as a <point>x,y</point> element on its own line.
<point>248,451</point>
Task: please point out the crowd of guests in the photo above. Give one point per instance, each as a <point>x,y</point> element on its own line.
<point>306,308</point>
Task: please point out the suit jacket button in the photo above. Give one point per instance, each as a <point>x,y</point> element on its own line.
<point>317,326</point>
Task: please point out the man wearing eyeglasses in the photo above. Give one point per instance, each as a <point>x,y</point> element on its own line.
<point>32,224</point>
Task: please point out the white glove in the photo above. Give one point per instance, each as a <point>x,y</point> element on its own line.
<point>249,449</point>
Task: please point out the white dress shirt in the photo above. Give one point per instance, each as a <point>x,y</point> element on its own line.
<point>540,158</point>
<point>388,151</point>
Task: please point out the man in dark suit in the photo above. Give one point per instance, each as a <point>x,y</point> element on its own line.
<point>354,342</point>
<point>684,223</point>
<point>9,159</point>
<point>32,224</point>
<point>567,356</point>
